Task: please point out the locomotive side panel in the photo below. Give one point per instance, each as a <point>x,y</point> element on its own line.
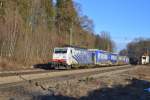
<point>81,56</point>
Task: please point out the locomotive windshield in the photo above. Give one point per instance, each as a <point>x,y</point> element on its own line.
<point>60,51</point>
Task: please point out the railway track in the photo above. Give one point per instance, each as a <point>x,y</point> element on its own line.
<point>33,71</point>
<point>26,72</point>
<point>37,71</point>
<point>10,81</point>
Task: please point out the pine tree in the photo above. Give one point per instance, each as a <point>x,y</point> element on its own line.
<point>50,12</point>
<point>66,14</point>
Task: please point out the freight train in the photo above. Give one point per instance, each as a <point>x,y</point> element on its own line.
<point>70,56</point>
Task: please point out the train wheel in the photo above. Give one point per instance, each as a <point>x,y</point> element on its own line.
<point>68,67</point>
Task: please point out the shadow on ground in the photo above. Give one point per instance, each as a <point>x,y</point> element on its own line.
<point>133,91</point>
<point>43,66</point>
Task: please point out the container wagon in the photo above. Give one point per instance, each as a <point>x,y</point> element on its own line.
<point>100,57</point>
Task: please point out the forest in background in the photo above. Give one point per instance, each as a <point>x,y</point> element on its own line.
<point>137,48</point>
<point>30,29</point>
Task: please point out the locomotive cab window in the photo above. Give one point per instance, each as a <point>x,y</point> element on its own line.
<point>60,50</point>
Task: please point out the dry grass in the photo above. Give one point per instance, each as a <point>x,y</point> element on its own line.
<point>6,64</point>
<point>142,73</point>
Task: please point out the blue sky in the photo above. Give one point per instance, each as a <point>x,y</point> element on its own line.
<point>124,19</point>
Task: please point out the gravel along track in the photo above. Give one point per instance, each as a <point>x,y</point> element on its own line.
<point>33,71</point>
<point>9,81</point>
<point>23,72</point>
<point>6,74</point>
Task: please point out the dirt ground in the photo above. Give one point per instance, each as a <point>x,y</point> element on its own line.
<point>124,86</point>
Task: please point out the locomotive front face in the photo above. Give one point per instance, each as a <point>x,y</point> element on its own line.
<point>60,55</point>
